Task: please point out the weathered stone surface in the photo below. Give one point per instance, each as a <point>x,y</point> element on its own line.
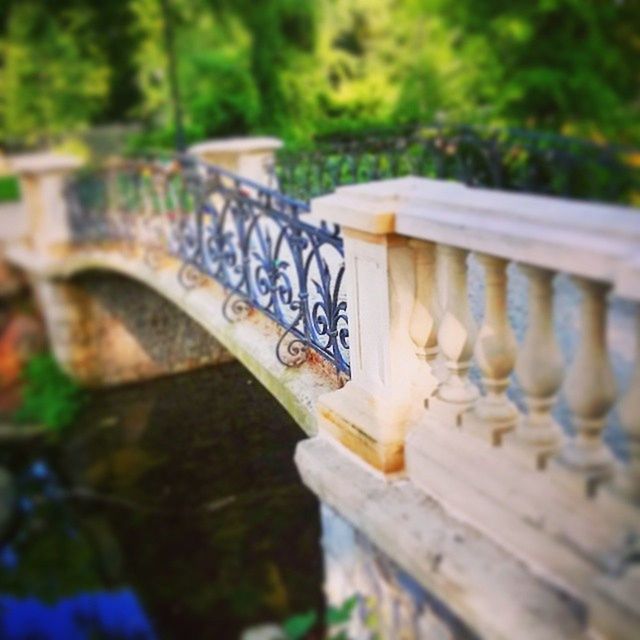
<point>492,593</point>
<point>389,602</point>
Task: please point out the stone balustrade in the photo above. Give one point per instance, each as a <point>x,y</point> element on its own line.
<point>407,245</point>
<point>443,393</point>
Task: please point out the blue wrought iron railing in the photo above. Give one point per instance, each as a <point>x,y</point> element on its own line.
<point>259,244</point>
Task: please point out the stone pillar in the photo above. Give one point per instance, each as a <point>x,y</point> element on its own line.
<point>42,182</point>
<point>251,158</point>
<point>369,415</point>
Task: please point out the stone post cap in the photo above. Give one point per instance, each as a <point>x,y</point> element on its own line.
<point>371,207</point>
<point>236,145</point>
<point>34,163</point>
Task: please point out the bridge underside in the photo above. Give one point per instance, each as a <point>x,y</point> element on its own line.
<point>107,329</point>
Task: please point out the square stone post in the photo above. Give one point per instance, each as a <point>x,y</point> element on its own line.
<point>370,413</point>
<point>251,158</point>
<point>42,183</point>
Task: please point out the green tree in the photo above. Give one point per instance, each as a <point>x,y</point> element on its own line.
<point>53,79</point>
<point>563,65</point>
<point>218,92</point>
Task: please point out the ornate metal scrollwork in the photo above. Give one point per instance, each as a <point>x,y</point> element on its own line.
<point>256,242</point>
<point>235,307</point>
<point>253,240</point>
<point>292,350</point>
<point>190,277</point>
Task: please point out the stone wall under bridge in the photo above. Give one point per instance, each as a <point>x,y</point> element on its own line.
<point>108,329</point>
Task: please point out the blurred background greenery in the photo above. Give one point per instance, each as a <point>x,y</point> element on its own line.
<point>300,68</point>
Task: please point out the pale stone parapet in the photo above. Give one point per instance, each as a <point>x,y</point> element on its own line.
<point>252,157</point>
<point>560,504</point>
<point>594,243</point>
<point>581,238</point>
<point>42,182</point>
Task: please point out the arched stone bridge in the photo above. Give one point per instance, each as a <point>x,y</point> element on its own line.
<point>388,318</point>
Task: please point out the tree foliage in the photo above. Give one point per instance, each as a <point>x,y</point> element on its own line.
<point>53,77</point>
<point>300,67</point>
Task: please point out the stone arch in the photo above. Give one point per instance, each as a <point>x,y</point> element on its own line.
<point>252,339</point>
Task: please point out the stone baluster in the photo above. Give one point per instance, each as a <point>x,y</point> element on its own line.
<point>539,365</point>
<point>590,385</point>
<point>495,348</point>
<point>629,409</point>
<point>424,318</point>
<point>457,331</point>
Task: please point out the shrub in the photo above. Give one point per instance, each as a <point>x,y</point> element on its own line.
<point>49,397</point>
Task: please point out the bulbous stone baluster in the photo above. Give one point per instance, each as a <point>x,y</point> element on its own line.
<point>629,408</point>
<point>539,362</point>
<point>590,385</point>
<point>424,317</point>
<point>495,348</point>
<point>457,331</point>
<point>424,331</point>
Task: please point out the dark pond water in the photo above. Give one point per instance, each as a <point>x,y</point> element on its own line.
<point>172,509</point>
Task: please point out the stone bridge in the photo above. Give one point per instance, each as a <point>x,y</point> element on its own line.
<point>388,318</point>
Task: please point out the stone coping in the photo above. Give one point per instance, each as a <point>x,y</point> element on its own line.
<point>580,238</point>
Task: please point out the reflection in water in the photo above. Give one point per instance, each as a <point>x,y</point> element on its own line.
<point>173,506</point>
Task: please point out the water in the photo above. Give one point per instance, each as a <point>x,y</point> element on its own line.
<point>171,508</point>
